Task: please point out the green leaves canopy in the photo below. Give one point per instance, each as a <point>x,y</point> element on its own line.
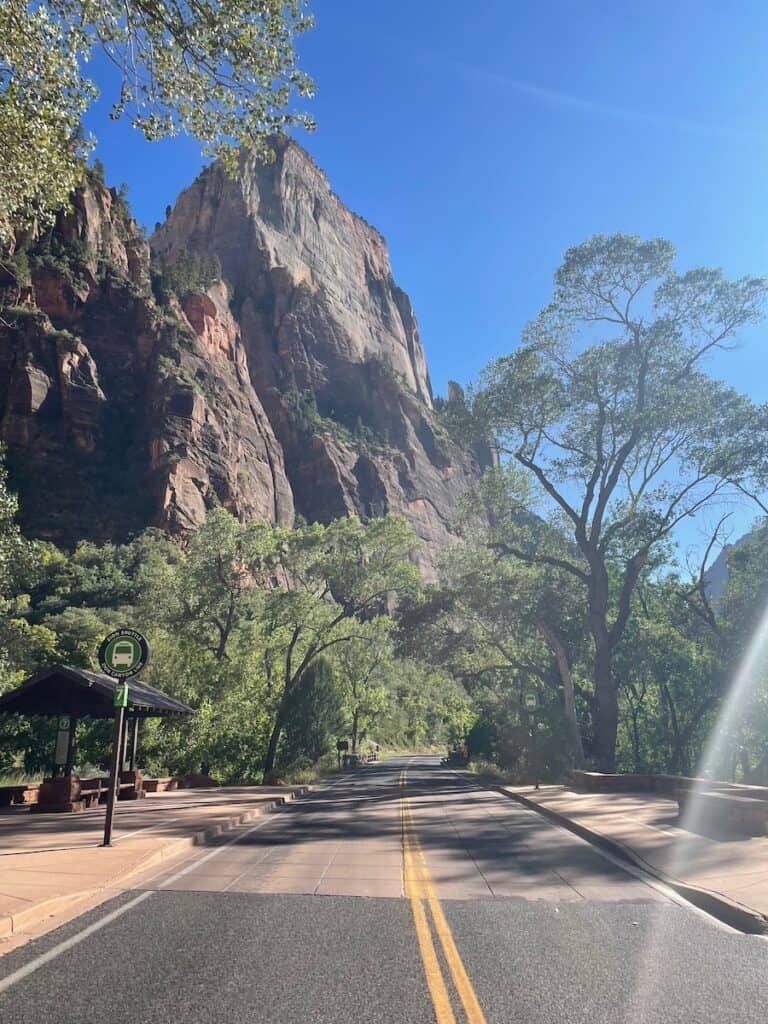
<point>223,72</point>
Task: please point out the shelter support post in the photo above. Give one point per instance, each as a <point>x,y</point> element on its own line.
<point>70,763</point>
<point>134,748</point>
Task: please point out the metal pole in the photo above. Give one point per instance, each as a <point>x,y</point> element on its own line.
<point>114,774</point>
<point>71,746</point>
<point>535,754</point>
<point>134,743</point>
<point>124,745</point>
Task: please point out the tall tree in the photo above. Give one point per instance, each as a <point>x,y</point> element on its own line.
<point>315,715</point>
<point>361,668</point>
<point>15,551</point>
<point>497,621</point>
<point>606,405</point>
<point>220,583</point>
<point>335,577</point>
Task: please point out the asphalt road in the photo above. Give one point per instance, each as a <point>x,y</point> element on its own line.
<point>399,894</point>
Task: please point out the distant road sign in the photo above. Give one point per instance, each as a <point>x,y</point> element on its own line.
<point>531,700</point>
<point>123,653</point>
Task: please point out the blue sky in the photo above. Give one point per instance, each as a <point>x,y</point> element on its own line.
<point>484,139</point>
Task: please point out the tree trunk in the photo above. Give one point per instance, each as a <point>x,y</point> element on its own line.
<point>607,714</point>
<point>679,760</point>
<point>744,761</point>
<point>355,723</point>
<point>569,698</point>
<point>606,691</point>
<point>635,733</point>
<point>274,739</point>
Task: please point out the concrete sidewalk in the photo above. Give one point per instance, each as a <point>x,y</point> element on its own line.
<point>733,869</point>
<point>51,863</point>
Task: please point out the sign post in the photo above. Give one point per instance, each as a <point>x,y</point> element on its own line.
<point>531,704</point>
<point>122,655</point>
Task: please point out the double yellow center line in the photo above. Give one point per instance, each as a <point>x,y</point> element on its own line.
<point>420,891</point>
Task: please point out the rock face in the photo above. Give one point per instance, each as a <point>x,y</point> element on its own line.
<point>294,384</point>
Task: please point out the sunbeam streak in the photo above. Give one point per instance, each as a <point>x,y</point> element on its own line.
<point>717,752</point>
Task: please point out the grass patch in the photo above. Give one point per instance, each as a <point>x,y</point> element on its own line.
<point>488,772</point>
<point>20,779</point>
<point>307,776</point>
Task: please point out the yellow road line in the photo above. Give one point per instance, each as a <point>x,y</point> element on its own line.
<point>435,981</point>
<point>418,886</point>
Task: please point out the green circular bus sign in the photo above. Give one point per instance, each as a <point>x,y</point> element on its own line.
<point>123,653</point>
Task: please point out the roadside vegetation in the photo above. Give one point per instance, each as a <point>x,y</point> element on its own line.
<point>280,639</point>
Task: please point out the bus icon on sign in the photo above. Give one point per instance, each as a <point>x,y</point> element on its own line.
<point>123,654</point>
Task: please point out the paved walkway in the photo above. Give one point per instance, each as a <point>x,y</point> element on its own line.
<point>731,866</point>
<point>48,862</point>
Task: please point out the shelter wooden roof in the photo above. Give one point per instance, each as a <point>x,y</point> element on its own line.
<point>64,690</point>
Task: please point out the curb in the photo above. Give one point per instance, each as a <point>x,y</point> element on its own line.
<point>204,835</point>
<point>11,924</point>
<point>728,911</point>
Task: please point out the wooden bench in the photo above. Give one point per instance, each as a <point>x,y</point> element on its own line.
<point>96,791</point>
<point>18,795</point>
<point>91,790</point>
<point>162,785</point>
<point>72,794</point>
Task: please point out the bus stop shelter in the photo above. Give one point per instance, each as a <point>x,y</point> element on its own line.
<point>70,694</point>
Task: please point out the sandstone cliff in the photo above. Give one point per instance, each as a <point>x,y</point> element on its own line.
<point>267,361</point>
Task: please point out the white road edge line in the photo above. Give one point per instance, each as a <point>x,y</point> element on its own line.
<point>113,915</point>
<point>44,958</point>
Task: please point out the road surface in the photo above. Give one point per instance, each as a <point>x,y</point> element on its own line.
<point>402,893</point>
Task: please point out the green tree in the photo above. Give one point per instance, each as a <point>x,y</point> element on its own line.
<point>735,625</point>
<point>362,667</point>
<point>209,594</point>
<point>225,74</point>
<point>670,676</point>
<point>15,552</point>
<point>333,577</point>
<point>43,97</point>
<point>530,614</point>
<point>314,715</point>
<point>607,407</point>
<point>427,707</point>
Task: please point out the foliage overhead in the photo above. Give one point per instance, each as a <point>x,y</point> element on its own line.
<point>224,73</point>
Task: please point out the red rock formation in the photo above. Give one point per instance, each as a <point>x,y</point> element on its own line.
<point>298,386</point>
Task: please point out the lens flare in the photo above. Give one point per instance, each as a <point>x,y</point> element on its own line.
<point>718,750</point>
